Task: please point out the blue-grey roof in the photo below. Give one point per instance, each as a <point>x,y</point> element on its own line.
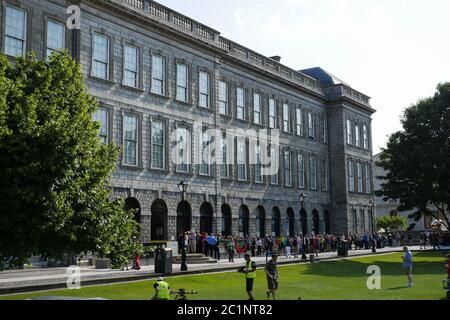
<point>323,76</point>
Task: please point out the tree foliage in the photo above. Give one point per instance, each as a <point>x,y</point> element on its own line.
<point>54,171</point>
<point>417,159</point>
<point>391,222</point>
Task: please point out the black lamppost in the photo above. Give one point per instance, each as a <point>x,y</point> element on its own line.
<point>301,198</point>
<point>182,187</point>
<point>371,204</point>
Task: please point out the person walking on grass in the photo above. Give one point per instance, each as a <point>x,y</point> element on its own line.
<point>250,274</point>
<point>272,276</point>
<point>407,265</point>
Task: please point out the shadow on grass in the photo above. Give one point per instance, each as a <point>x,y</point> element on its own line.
<point>356,268</point>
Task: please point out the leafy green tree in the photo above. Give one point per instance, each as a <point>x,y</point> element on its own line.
<point>54,170</point>
<point>417,159</point>
<point>391,222</point>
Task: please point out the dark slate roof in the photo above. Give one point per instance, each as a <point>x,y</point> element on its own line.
<point>323,76</point>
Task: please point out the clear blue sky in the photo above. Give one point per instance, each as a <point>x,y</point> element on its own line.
<point>395,51</point>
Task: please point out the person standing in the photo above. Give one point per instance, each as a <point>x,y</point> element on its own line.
<point>230,249</point>
<point>217,249</point>
<point>250,274</point>
<point>272,276</point>
<point>407,265</point>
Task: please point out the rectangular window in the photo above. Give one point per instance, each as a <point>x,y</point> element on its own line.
<point>349,132</point>
<point>240,96</point>
<point>313,172</point>
<point>287,169</point>
<point>324,170</point>
<point>205,153</point>
<point>274,163</point>
<point>368,187</point>
<point>310,125</point>
<point>258,164</point>
<point>158,75</point>
<point>323,129</point>
<point>203,90</point>
<point>357,139</point>
<point>101,116</point>
<point>299,120</point>
<point>182,82</point>
<point>359,176</point>
<point>223,97</point>
<point>224,164</point>
<point>272,114</point>
<point>183,150</point>
<point>55,37</point>
<point>257,108</point>
<point>286,118</point>
<point>157,145</point>
<point>351,176</point>
<point>131,66</point>
<point>365,137</point>
<point>100,63</point>
<point>241,159</point>
<point>15,31</point>
<point>301,170</point>
<point>131,139</point>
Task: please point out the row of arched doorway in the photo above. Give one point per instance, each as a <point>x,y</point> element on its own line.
<point>159,219</point>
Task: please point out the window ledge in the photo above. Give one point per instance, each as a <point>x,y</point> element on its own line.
<point>131,167</point>
<point>158,95</point>
<point>107,81</point>
<point>140,90</point>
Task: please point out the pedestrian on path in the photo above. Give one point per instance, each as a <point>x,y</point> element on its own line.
<point>272,276</point>
<point>407,265</point>
<point>250,274</point>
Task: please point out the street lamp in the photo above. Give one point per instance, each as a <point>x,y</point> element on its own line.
<point>182,187</point>
<point>302,197</point>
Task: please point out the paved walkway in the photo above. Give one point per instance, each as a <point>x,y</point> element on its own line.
<point>51,278</point>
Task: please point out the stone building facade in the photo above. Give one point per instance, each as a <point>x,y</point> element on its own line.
<point>155,71</point>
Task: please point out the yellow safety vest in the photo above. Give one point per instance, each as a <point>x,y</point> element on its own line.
<point>250,274</point>
<point>163,291</point>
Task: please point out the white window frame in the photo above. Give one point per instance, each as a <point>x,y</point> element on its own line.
<point>241,158</point>
<point>324,137</point>
<point>224,155</point>
<point>286,118</point>
<point>301,171</point>
<point>126,69</point>
<point>351,176</point>
<point>179,84</point>
<point>203,96</point>
<point>365,137</point>
<point>48,50</point>
<point>287,168</point>
<point>357,135</point>
<point>359,177</point>
<point>107,62</point>
<point>125,162</point>
<point>257,108</point>
<point>349,130</point>
<point>258,164</point>
<point>313,172</point>
<point>273,158</point>
<point>240,103</point>
<point>155,77</point>
<point>25,33</point>
<point>311,131</point>
<point>272,113</point>
<point>299,121</point>
<point>103,137</point>
<point>163,127</point>
<point>223,97</point>
<point>205,144</point>
<point>368,179</point>
<point>186,147</point>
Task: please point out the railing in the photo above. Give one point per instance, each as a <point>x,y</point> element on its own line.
<point>210,35</point>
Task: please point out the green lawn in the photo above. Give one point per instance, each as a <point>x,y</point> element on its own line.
<point>345,279</point>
